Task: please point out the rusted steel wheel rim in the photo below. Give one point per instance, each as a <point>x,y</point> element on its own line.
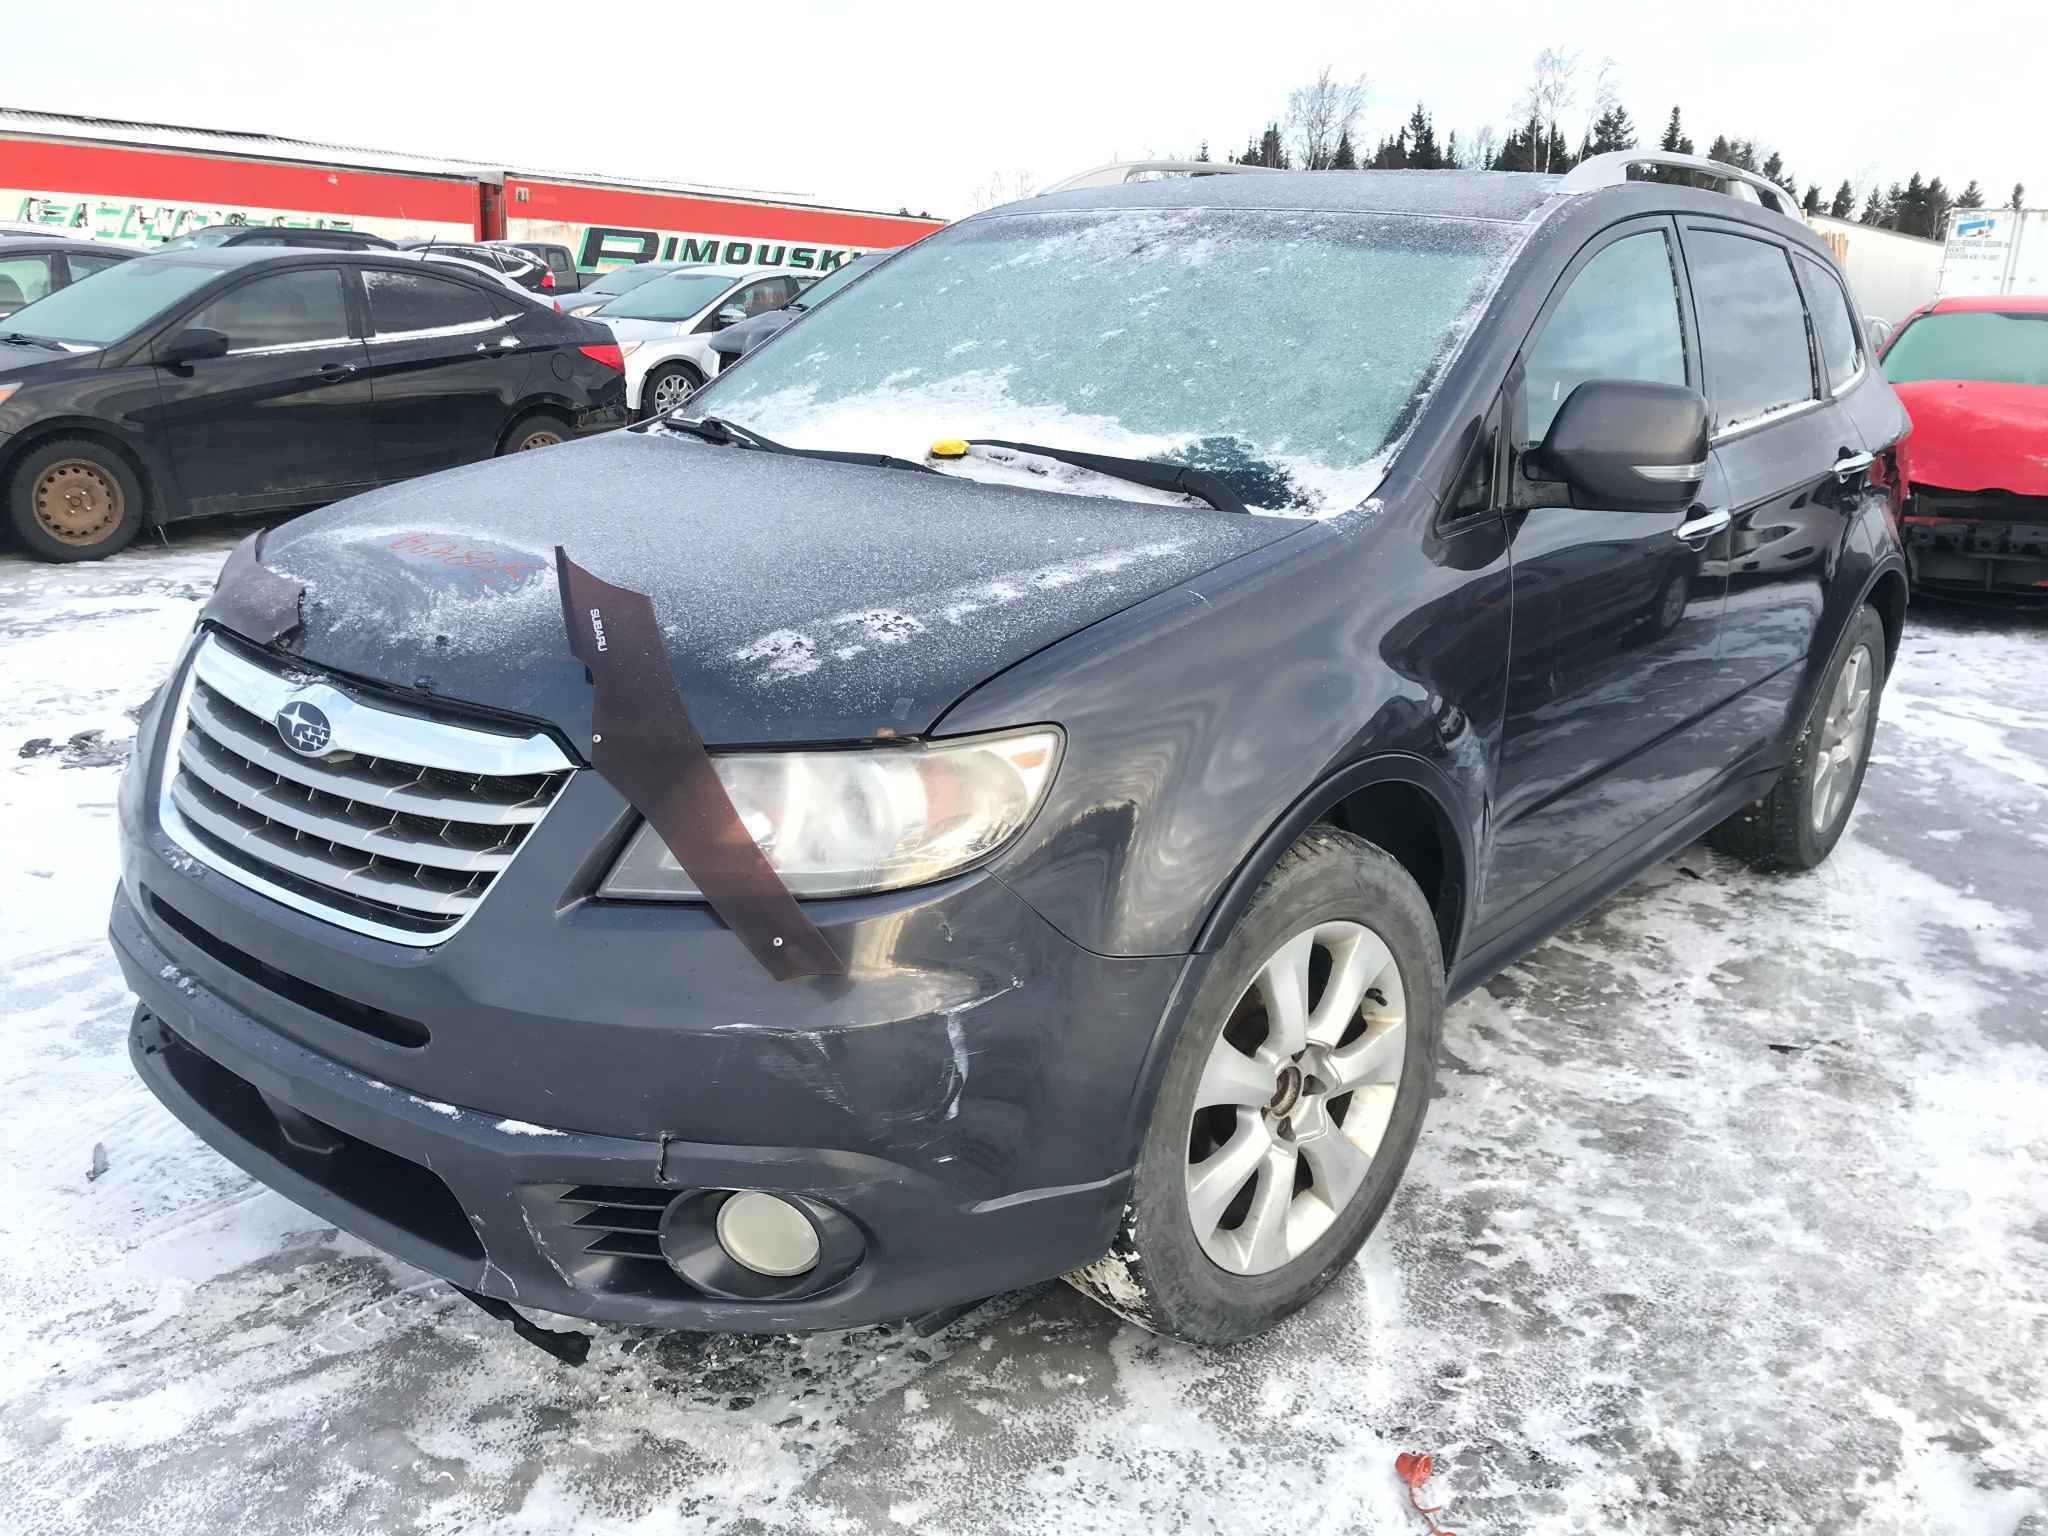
<point>539,437</point>
<point>78,502</point>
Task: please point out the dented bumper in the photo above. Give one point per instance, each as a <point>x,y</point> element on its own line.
<point>518,1108</point>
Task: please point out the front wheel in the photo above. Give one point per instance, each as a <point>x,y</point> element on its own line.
<point>1291,1101</point>
<point>669,388</point>
<point>73,499</point>
<point>1799,822</point>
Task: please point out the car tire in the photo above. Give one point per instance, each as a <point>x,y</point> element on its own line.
<point>536,429</point>
<point>1799,822</point>
<point>673,382</point>
<point>1306,1201</point>
<point>75,499</point>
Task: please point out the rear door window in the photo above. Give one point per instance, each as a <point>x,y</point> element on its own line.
<point>23,279</point>
<point>1618,320</point>
<point>301,308</point>
<point>1752,326</point>
<point>1834,327</point>
<point>85,266</point>
<point>414,303</point>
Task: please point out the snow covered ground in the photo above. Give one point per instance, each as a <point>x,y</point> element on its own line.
<point>1732,1217</point>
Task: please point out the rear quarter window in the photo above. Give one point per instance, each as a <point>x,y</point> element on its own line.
<point>1753,339</point>
<point>403,303</point>
<point>1834,327</point>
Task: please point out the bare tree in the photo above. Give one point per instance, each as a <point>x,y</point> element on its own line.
<point>1606,93</point>
<point>1004,187</point>
<point>1550,91</point>
<point>1477,148</point>
<point>1320,114</point>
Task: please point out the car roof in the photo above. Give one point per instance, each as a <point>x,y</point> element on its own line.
<point>76,245</point>
<point>1510,195</point>
<point>2028,303</point>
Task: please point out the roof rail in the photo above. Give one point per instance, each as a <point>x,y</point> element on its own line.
<point>1117,172</point>
<point>1611,170</point>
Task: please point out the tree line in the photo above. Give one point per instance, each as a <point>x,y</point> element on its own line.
<point>1317,133</point>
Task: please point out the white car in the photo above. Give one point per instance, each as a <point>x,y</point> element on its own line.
<point>665,328</point>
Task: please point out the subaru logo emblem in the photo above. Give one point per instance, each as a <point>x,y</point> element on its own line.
<point>304,728</point>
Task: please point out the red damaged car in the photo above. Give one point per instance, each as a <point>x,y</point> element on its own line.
<point>1973,373</point>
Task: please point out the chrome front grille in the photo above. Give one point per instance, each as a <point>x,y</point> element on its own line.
<point>395,826</point>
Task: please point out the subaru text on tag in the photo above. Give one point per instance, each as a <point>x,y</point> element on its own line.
<point>1164,638</point>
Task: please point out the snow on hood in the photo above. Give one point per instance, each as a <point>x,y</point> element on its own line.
<point>1970,435</point>
<point>802,600</point>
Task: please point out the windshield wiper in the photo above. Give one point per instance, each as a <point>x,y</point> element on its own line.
<point>716,429</point>
<point>1198,483</point>
<point>33,341</point>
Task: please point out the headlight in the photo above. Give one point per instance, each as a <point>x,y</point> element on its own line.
<point>847,823</point>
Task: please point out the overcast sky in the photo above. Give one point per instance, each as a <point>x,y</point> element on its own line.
<point>921,104</point>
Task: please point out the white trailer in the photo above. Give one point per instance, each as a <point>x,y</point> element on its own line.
<point>1996,250</point>
<point>1890,275</point>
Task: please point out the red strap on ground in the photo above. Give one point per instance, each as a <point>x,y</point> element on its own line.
<point>1413,1468</point>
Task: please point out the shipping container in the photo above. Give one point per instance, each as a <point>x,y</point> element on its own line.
<point>1996,250</point>
<point>144,183</point>
<point>1890,275</point>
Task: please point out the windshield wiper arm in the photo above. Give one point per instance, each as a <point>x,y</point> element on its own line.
<point>33,341</point>
<point>716,429</point>
<point>1188,481</point>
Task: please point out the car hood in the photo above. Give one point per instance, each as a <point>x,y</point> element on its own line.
<point>802,600</point>
<point>1974,436</point>
<point>641,330</point>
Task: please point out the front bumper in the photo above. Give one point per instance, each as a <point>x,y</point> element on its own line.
<point>1972,556</point>
<point>968,1101</point>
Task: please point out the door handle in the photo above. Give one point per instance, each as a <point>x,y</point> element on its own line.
<point>337,370</point>
<point>1702,525</point>
<point>1853,464</point>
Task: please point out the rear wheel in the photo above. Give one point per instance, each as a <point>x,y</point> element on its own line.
<point>668,388</point>
<point>74,499</point>
<point>538,430</point>
<point>1799,822</point>
<point>1290,1104</point>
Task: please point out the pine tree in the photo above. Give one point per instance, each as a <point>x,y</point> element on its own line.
<point>1674,138</point>
<point>1452,160</point>
<point>1423,155</point>
<point>1811,202</point>
<point>1251,151</point>
<point>1345,158</point>
<point>1721,150</point>
<point>1909,209</point>
<point>1873,208</point>
<point>1392,155</point>
<point>1844,204</point>
<point>1612,130</point>
<point>1972,196</point>
<point>1272,148</point>
<point>1202,154</point>
<point>1557,159</point>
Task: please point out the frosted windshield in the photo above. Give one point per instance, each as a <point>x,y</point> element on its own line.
<point>1283,350</point>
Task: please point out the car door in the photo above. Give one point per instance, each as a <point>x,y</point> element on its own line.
<point>1787,452</point>
<point>1612,660</point>
<point>284,418</point>
<point>445,366</point>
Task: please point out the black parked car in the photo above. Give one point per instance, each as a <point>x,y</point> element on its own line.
<point>555,258</point>
<point>216,235</point>
<point>1096,821</point>
<point>31,266</point>
<point>246,380</point>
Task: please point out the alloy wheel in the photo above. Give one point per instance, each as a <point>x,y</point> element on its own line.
<point>1295,1098</point>
<point>1842,736</point>
<point>78,502</point>
<point>670,391</point>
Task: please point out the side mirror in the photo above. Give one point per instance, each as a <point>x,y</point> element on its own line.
<point>191,346</point>
<point>732,314</point>
<point>1626,443</point>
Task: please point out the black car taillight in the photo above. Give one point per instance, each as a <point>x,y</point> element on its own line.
<point>606,352</point>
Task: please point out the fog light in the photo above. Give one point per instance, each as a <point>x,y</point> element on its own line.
<point>767,1234</point>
